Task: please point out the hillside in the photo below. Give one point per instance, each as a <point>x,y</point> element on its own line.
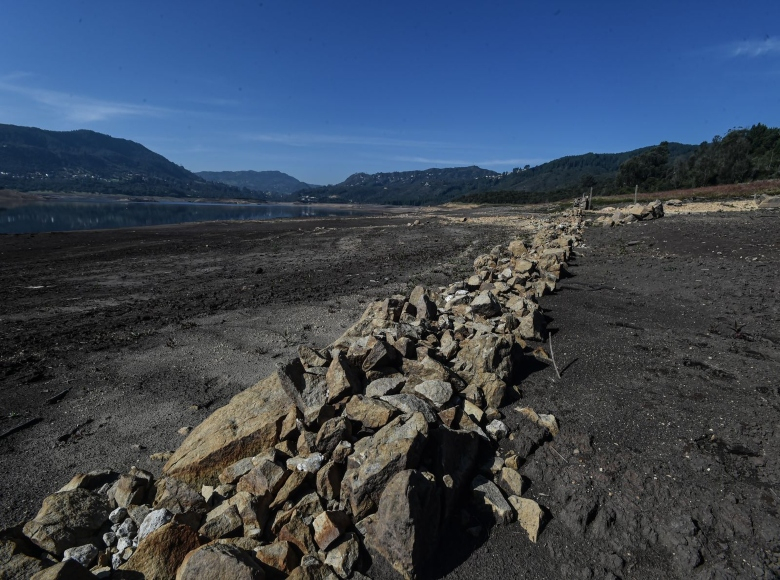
<point>593,169</point>
<point>426,187</point>
<point>85,161</point>
<point>260,181</point>
<point>741,156</point>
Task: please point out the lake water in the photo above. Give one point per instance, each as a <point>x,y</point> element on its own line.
<point>61,216</point>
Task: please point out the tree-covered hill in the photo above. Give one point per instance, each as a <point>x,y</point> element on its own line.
<point>34,159</point>
<point>425,187</point>
<point>261,181</point>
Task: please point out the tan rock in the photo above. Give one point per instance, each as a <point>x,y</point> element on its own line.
<point>178,497</point>
<point>328,527</point>
<point>67,570</point>
<point>517,248</point>
<point>252,510</point>
<point>343,557</point>
<point>298,533</point>
<point>329,479</point>
<point>91,481</point>
<point>529,515</point>
<point>295,482</point>
<point>511,481</point>
<point>406,527</point>
<point>547,421</point>
<point>248,424</point>
<point>222,521</point>
<point>280,556</point>
<point>266,478</point>
<point>342,379</point>
<point>308,506</point>
<point>371,413</point>
<point>14,563</point>
<point>233,472</point>
<point>132,488</point>
<point>67,519</point>
<point>160,554</point>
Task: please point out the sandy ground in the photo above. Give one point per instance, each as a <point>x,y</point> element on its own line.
<point>668,334</point>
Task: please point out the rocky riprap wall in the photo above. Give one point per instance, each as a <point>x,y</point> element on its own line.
<point>360,452</point>
<point>630,214</point>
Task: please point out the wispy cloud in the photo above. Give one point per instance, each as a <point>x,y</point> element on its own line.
<point>314,139</point>
<point>754,48</point>
<point>79,108</point>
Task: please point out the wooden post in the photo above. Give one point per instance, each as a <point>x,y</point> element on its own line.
<point>590,199</point>
<point>636,190</point>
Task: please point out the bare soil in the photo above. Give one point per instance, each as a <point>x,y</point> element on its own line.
<point>667,334</point>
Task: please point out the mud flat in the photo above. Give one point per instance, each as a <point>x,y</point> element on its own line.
<point>667,337</point>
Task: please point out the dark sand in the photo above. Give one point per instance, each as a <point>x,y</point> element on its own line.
<point>672,410</point>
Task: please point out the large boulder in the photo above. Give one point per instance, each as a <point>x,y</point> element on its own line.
<point>487,360</point>
<point>405,529</point>
<point>66,570</point>
<point>219,562</point>
<point>68,519</point>
<point>376,459</point>
<point>161,553</point>
<point>17,561</point>
<point>247,425</point>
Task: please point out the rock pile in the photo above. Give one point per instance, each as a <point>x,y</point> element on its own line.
<point>631,214</point>
<point>365,450</point>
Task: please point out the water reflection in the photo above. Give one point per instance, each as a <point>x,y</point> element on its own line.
<point>59,216</point>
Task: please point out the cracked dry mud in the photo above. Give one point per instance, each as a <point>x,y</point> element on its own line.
<point>668,335</point>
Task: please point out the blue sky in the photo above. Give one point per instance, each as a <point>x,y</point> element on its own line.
<point>321,90</point>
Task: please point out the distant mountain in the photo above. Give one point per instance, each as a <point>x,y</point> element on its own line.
<point>551,180</point>
<point>426,187</point>
<point>85,161</point>
<point>261,181</point>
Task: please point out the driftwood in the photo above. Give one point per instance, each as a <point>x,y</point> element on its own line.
<point>58,397</point>
<point>20,426</point>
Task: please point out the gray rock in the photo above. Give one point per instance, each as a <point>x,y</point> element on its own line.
<point>309,464</point>
<point>497,429</point>
<point>406,526</point>
<point>84,555</point>
<point>154,520</point>
<point>382,387</point>
<point>437,392</point>
<point>485,305</point>
<point>123,543</point>
<point>376,459</point>
<point>332,433</point>
<point>488,496</point>
<point>109,539</point>
<point>127,529</point>
<point>118,515</point>
<point>343,557</point>
<point>408,404</point>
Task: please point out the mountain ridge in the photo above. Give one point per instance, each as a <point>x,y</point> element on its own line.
<point>87,161</point>
<point>260,181</point>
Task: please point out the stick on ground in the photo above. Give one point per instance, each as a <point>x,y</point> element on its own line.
<point>552,357</point>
